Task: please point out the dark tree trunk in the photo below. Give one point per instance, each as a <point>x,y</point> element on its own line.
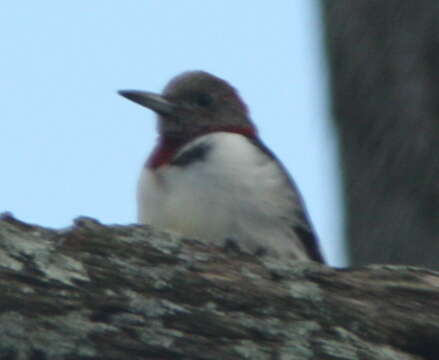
<point>384,65</point>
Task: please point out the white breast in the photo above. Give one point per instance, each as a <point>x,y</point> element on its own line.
<point>237,192</point>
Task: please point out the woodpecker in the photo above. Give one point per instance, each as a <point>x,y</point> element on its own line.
<point>210,176</point>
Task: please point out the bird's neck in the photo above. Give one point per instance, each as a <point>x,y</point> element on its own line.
<point>169,144</point>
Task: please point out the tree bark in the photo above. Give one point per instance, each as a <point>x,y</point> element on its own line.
<point>130,292</point>
<point>384,58</point>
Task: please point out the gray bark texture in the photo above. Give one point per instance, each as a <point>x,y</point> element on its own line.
<point>129,292</point>
<point>384,67</point>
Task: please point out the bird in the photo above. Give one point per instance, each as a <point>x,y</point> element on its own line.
<point>210,177</point>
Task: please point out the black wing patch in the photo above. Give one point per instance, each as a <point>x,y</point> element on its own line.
<point>194,154</point>
<point>304,231</point>
<point>310,242</point>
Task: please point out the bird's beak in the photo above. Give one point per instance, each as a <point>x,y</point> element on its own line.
<point>155,102</point>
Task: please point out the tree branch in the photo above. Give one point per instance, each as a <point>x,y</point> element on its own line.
<point>130,292</point>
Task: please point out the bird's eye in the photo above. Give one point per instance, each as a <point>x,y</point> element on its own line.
<point>204,100</point>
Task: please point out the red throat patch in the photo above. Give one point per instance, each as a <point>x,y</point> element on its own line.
<point>168,146</point>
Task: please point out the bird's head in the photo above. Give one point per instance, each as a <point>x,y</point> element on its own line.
<point>196,103</point>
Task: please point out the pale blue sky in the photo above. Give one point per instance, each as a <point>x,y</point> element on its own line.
<point>71,146</point>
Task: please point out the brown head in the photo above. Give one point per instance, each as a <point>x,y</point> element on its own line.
<point>195,103</point>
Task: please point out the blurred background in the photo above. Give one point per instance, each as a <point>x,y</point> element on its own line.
<point>71,146</point>
<point>383,63</point>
